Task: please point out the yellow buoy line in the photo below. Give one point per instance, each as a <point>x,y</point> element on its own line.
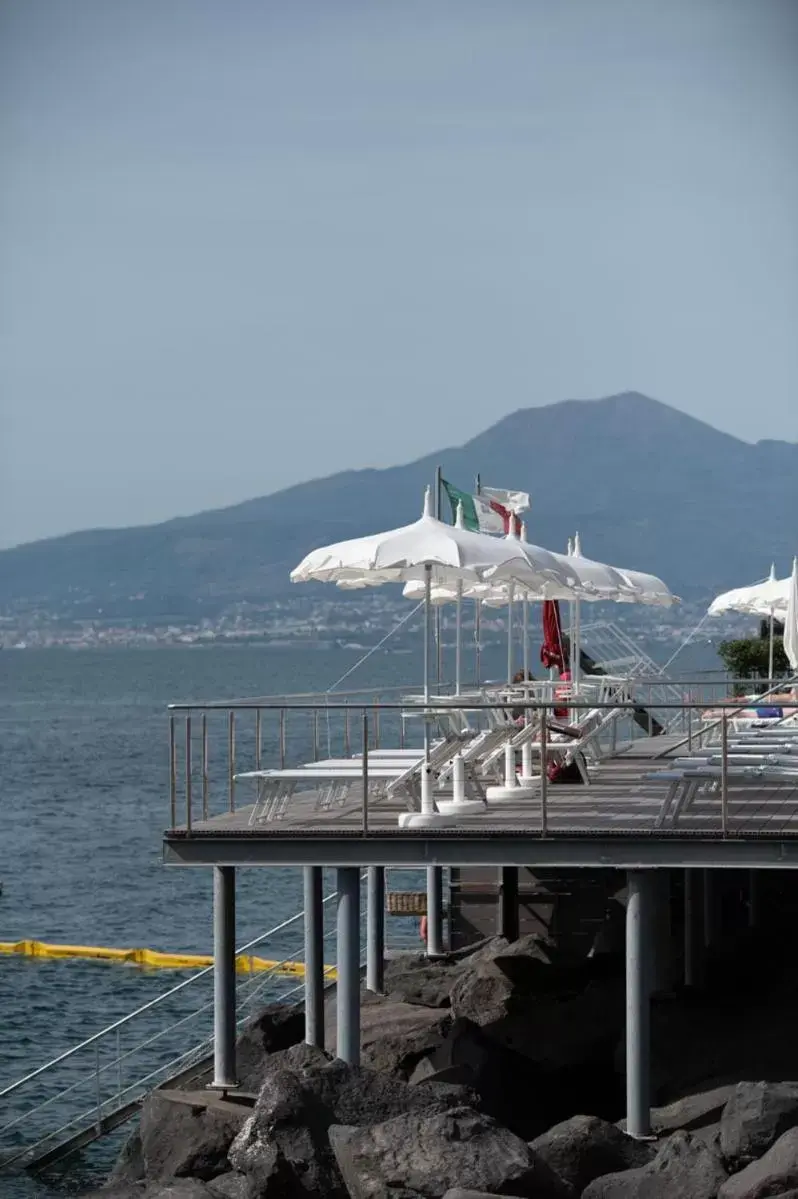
<point>245,963</point>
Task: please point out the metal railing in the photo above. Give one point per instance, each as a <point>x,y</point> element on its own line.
<point>352,727</point>
<point>95,1085</point>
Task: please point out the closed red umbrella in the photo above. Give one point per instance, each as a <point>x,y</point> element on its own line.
<point>552,652</point>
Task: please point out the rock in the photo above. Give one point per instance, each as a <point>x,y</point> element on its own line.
<point>755,1116</point>
<point>284,1149</point>
<point>683,1166</point>
<point>229,1186</point>
<point>424,1155</point>
<point>584,1148</point>
<point>182,1188</point>
<point>509,1086</point>
<point>459,1193</point>
<point>554,1029</point>
<point>187,1140</point>
<point>774,1174</point>
<point>274,1028</point>
<point>420,980</point>
<point>129,1165</point>
<point>395,1036</point>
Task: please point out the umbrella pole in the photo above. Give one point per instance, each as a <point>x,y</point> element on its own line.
<point>477,636</point>
<point>771,651</point>
<point>576,664</point>
<point>426,780</point>
<point>525,608</point>
<point>510,635</point>
<point>458,636</point>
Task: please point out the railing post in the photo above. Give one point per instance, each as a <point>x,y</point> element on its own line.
<point>315,734</point>
<point>258,738</point>
<point>724,773</point>
<point>377,726</point>
<point>231,758</point>
<point>365,772</point>
<point>188,774</point>
<point>544,773</point>
<point>347,734</point>
<point>282,738</point>
<point>172,773</point>
<point>204,765</point>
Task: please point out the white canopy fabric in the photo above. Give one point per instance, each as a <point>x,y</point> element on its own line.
<point>584,579</point>
<point>760,599</point>
<point>426,548</point>
<point>791,619</point>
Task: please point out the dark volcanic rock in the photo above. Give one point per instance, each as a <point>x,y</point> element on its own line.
<point>459,1193</point>
<point>584,1148</point>
<point>182,1140</point>
<point>420,980</point>
<point>284,1149</point>
<point>522,999</point>
<point>510,1087</point>
<point>177,1188</point>
<point>129,1165</point>
<point>395,1036</point>
<point>684,1166</point>
<point>274,1028</point>
<point>755,1116</point>
<point>774,1174</point>
<point>426,1155</point>
<point>230,1186</point>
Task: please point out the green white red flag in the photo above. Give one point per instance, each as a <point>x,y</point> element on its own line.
<point>491,511</point>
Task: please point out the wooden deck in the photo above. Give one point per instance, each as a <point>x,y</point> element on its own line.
<point>619,803</point>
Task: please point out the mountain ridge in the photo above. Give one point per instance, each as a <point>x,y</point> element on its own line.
<point>648,486</point>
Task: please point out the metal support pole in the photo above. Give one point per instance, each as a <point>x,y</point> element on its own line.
<point>724,774</point>
<point>693,922</point>
<point>224,978</point>
<point>172,773</point>
<point>205,775</point>
<point>348,988</point>
<point>509,923</point>
<point>753,898</point>
<point>231,760</point>
<point>314,957</point>
<point>638,1015</point>
<point>709,909</point>
<point>434,911</point>
<point>375,929</point>
<point>188,774</point>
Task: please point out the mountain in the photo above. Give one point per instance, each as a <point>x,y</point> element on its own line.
<point>648,487</point>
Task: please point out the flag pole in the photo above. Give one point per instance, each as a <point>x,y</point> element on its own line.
<point>437,512</point>
<point>478,611</point>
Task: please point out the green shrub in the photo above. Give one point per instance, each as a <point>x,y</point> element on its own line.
<point>748,658</point>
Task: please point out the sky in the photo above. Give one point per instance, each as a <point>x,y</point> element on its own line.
<point>245,243</point>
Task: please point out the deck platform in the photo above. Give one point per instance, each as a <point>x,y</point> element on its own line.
<point>616,821</point>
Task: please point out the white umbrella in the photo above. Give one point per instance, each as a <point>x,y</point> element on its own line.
<point>426,549</point>
<point>791,619</point>
<point>767,598</point>
<point>757,600</point>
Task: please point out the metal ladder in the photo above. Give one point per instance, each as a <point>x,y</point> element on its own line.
<point>617,653</point>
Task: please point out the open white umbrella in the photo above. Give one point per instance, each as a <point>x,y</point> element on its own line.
<point>791,619</point>
<point>769,598</point>
<point>426,549</point>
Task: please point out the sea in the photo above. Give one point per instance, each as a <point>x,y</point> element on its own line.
<point>84,768</point>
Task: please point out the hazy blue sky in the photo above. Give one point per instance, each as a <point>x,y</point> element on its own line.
<point>244,242</point>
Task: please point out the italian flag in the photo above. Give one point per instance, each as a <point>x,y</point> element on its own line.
<point>482,513</point>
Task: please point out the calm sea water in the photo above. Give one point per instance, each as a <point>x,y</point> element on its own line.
<point>84,770</point>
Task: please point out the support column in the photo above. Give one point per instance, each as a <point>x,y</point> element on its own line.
<point>224,978</point>
<point>314,957</point>
<point>693,929</point>
<point>638,1003</point>
<point>434,912</point>
<point>375,929</point>
<point>662,946</point>
<point>753,898</point>
<point>710,901</point>
<point>348,986</point>
<point>509,922</point>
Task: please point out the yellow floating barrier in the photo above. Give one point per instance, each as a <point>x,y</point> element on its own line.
<point>245,963</point>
